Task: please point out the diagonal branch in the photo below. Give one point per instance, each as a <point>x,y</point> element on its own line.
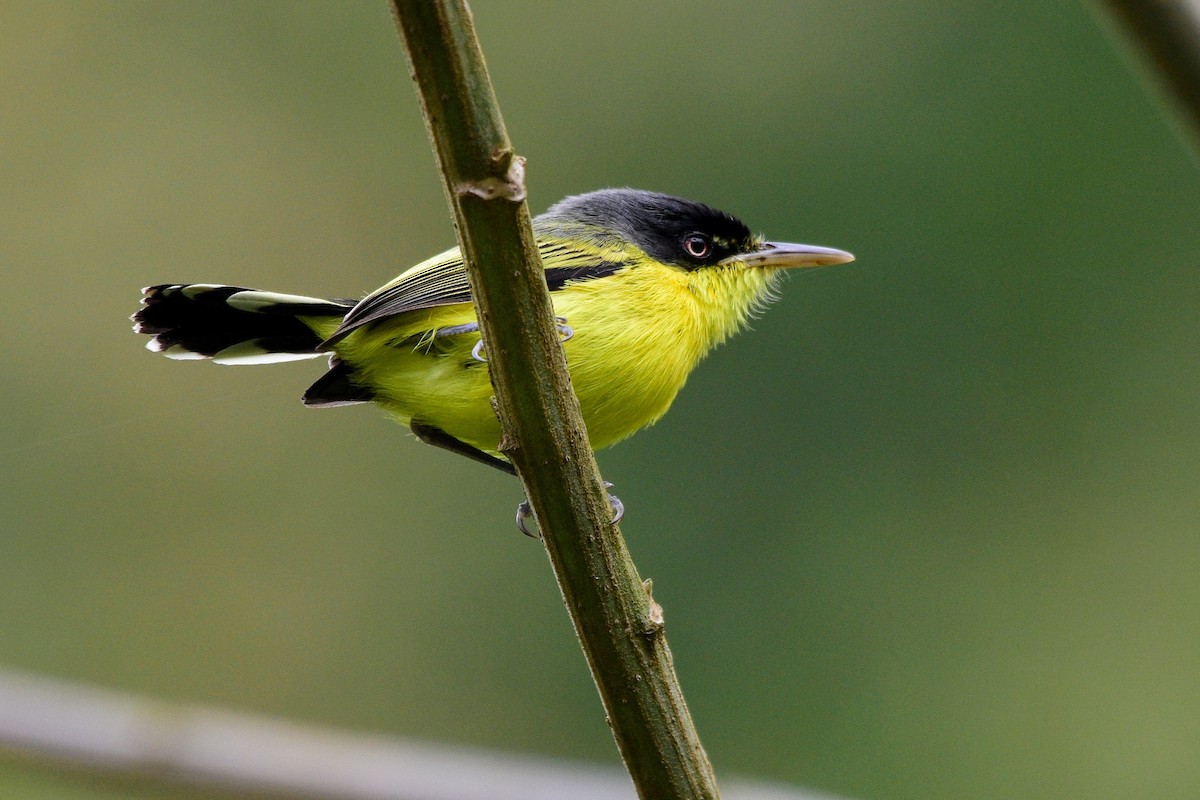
<point>1168,34</point>
<point>618,623</point>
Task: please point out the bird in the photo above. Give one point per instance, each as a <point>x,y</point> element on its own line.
<point>643,286</point>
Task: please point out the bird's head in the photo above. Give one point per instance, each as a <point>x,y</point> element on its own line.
<point>682,233</point>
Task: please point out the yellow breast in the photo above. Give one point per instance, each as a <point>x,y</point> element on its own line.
<point>637,336</point>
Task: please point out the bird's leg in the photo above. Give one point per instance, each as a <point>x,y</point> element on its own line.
<point>431,434</point>
<point>437,437</point>
<point>525,511</point>
<point>565,333</point>
<point>455,330</point>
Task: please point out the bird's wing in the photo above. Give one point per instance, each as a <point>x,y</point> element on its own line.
<point>442,281</point>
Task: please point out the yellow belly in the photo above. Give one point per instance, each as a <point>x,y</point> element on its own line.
<point>637,337</point>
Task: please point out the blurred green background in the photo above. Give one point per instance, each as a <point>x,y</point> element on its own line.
<point>930,530</point>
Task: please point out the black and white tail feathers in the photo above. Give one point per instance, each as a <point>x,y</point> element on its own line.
<point>232,324</point>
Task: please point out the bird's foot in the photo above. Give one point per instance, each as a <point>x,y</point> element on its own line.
<point>565,331</point>
<point>565,334</point>
<point>525,513</point>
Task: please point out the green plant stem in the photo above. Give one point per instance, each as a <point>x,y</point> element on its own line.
<point>618,623</point>
<point>1168,34</point>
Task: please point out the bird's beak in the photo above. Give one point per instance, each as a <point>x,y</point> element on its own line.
<point>782,255</point>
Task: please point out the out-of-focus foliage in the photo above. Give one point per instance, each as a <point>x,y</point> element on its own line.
<point>931,530</point>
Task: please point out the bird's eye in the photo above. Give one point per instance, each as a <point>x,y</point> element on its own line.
<point>697,246</point>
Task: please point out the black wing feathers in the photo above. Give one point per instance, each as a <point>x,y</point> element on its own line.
<point>446,284</point>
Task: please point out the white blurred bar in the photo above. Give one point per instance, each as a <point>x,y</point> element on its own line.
<point>104,731</point>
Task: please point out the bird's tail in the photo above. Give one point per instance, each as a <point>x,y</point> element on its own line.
<point>234,325</point>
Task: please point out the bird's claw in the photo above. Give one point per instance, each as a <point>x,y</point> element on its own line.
<point>565,333</point>
<point>525,513</point>
<point>618,507</point>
